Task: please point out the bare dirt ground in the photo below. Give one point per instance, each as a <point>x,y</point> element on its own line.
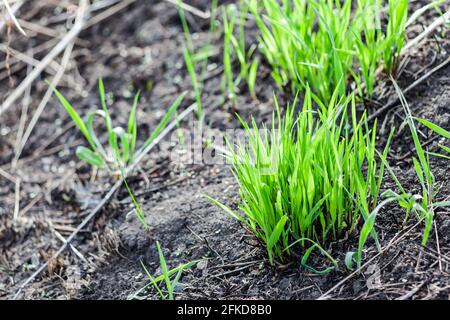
<point>140,48</point>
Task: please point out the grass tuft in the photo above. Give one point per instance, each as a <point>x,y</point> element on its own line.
<point>326,44</point>
<point>304,183</point>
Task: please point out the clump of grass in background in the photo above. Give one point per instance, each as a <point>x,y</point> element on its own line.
<point>228,28</point>
<point>170,278</point>
<point>121,151</point>
<point>326,44</point>
<point>304,183</point>
<point>192,58</point>
<point>423,204</point>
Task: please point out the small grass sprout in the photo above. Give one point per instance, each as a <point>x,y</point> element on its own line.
<point>423,171</point>
<point>121,149</point>
<point>395,34</point>
<point>438,204</point>
<point>170,277</point>
<point>440,131</point>
<point>235,47</point>
<point>310,181</point>
<point>195,83</point>
<point>121,152</point>
<point>192,58</point>
<point>228,27</point>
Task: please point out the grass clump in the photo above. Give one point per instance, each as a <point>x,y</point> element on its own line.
<point>326,44</point>
<point>304,183</point>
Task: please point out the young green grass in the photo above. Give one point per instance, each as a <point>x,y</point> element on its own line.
<point>422,204</point>
<point>422,168</point>
<point>228,27</point>
<point>170,277</point>
<point>427,206</point>
<point>234,47</point>
<point>440,131</point>
<point>120,153</point>
<point>326,44</point>
<point>310,181</point>
<point>395,34</point>
<point>192,58</point>
<point>188,53</point>
<point>121,150</point>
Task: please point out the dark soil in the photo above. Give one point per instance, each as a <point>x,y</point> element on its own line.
<point>140,48</point>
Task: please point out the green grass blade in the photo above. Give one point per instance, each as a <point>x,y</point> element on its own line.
<point>74,115</point>
<point>435,128</point>
<point>90,157</point>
